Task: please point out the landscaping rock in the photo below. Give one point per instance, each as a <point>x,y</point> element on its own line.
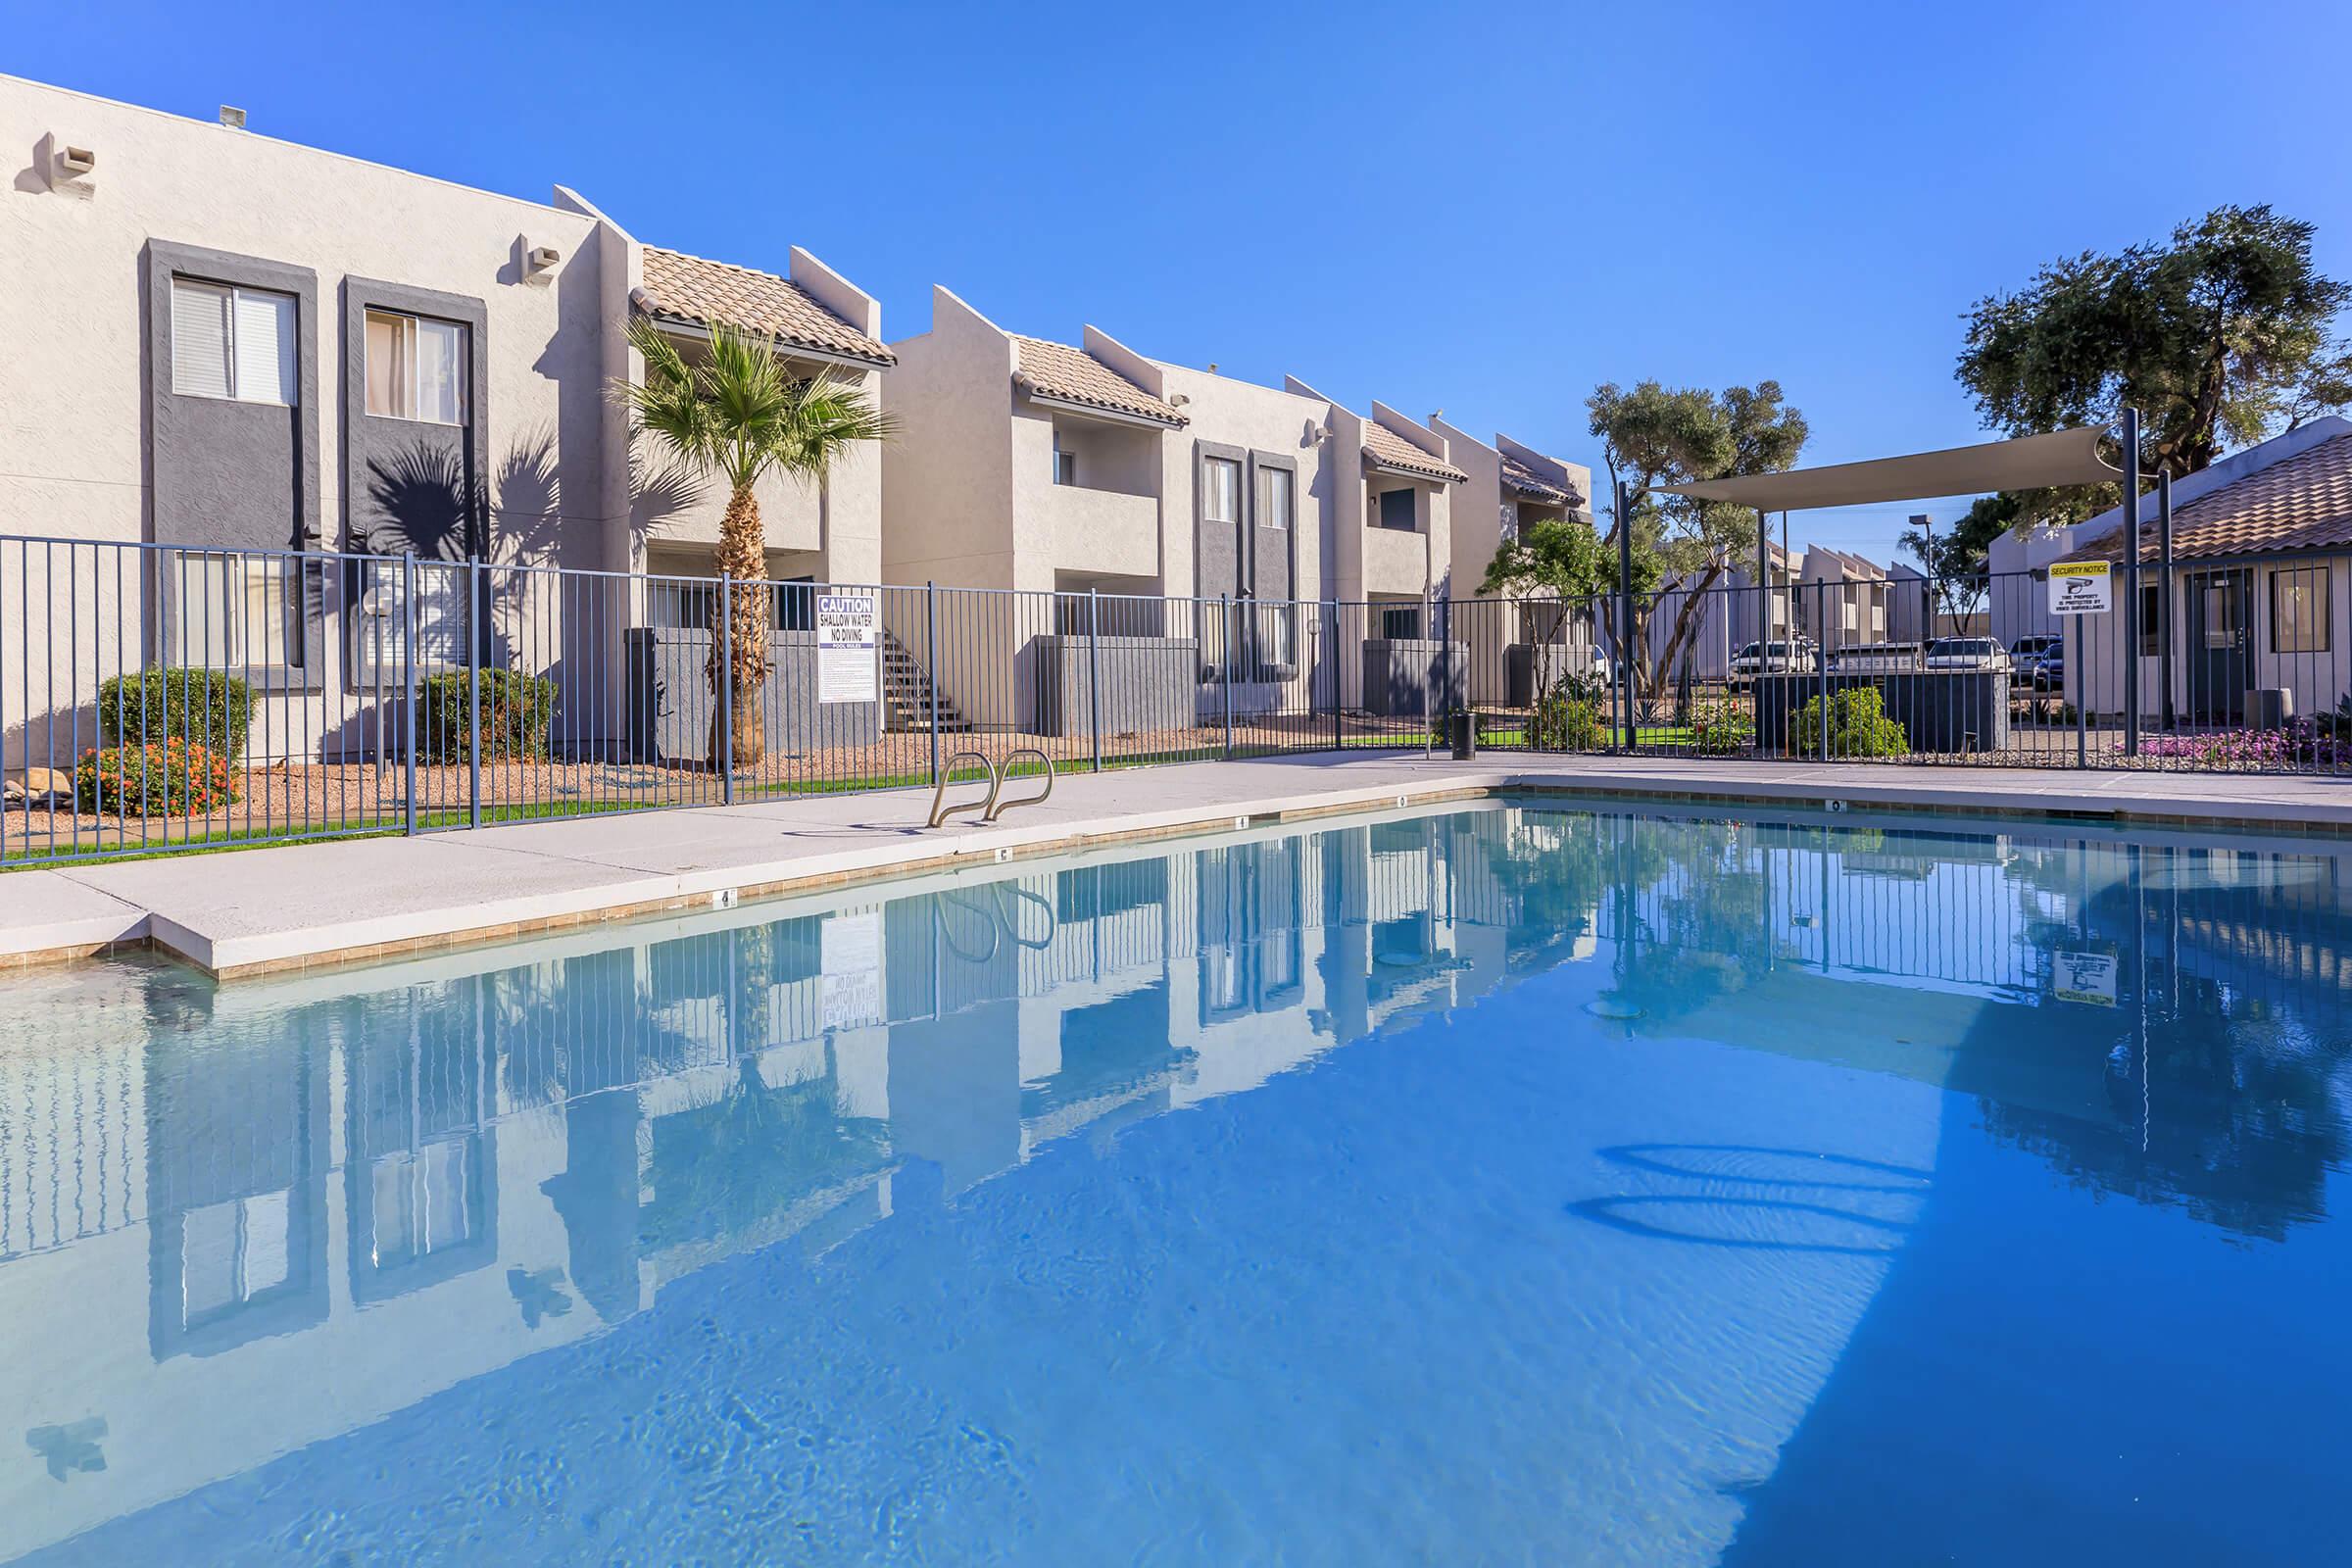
<point>39,786</point>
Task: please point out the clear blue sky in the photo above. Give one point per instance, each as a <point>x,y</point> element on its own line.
<point>1483,209</point>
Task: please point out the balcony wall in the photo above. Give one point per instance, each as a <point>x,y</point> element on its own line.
<point>1395,562</point>
<point>1103,530</point>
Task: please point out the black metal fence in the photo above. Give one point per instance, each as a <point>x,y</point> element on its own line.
<point>156,697</point>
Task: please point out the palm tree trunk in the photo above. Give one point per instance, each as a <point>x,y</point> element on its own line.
<point>743,556</point>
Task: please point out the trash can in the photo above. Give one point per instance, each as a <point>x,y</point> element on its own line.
<point>1461,732</point>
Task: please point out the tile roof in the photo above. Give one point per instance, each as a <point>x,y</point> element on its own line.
<point>1518,476</point>
<point>1073,375</point>
<point>1389,450</point>
<point>2304,503</point>
<point>689,288</point>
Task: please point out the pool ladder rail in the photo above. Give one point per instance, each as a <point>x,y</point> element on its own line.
<point>992,804</point>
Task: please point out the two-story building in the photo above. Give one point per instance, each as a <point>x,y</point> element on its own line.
<point>245,377</point>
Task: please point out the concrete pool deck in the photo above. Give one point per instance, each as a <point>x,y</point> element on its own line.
<point>244,912</point>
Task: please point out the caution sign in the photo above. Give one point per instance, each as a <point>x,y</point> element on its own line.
<point>2081,587</point>
<point>849,627</point>
<point>2085,977</point>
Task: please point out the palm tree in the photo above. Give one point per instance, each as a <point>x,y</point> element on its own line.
<point>737,412</point>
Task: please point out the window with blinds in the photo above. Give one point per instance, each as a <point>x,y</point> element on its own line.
<point>234,343</point>
<point>416,368</point>
<point>1221,490</point>
<point>1274,497</point>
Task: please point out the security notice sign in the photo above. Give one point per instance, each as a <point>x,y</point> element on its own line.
<point>2080,587</point>
<point>846,628</point>
<point>2085,977</point>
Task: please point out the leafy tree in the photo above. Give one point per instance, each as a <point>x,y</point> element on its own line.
<point>1956,559</point>
<point>1652,436</point>
<point>2220,338</point>
<point>738,411</point>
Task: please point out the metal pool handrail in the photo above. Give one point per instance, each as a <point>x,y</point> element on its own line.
<point>1038,799</point>
<point>941,810</point>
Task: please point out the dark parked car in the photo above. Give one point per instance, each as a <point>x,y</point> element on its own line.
<point>2027,652</point>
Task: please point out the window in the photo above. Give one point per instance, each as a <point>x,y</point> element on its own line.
<point>233,611</point>
<point>1274,497</point>
<point>416,368</point>
<point>1401,623</point>
<point>1065,464</point>
<point>379,618</point>
<point>234,343</point>
<point>1397,510</point>
<point>2299,610</point>
<point>2221,613</point>
<point>232,1252</point>
<point>1221,490</point>
<point>2151,619</point>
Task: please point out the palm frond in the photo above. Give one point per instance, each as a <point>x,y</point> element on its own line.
<point>736,409</point>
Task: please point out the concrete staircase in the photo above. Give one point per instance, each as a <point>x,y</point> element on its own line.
<point>907,693</point>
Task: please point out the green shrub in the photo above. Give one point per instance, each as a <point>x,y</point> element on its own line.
<point>1858,726</point>
<point>1565,723</point>
<point>1719,727</point>
<point>206,707</point>
<point>519,712</point>
<point>162,777</point>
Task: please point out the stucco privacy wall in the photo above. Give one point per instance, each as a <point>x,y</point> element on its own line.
<point>947,479</point>
<point>78,263</point>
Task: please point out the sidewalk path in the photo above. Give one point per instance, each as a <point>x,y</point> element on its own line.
<point>252,912</point>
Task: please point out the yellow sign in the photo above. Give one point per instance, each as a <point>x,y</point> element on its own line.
<point>2081,587</point>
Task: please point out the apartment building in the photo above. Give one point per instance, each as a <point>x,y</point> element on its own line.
<point>1191,507</point>
<point>257,352</point>
<point>1507,487</point>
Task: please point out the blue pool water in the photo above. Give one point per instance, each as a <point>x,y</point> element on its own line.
<point>1496,1185</point>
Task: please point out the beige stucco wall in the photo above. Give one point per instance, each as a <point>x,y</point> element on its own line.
<point>2318,679</point>
<point>73,380</point>
<point>947,478</point>
<point>72,308</point>
<point>1277,422</point>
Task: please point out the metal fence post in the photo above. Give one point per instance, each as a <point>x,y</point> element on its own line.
<point>473,690</point>
<point>1621,736</point>
<point>1339,724</point>
<point>931,669</point>
<point>2163,580</point>
<point>408,639</point>
<point>2131,617</point>
<point>722,748</point>
<point>1094,659</point>
<point>1225,637</point>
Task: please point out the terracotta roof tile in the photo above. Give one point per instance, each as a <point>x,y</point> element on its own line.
<point>692,289</point>
<point>1526,482</point>
<point>2304,503</point>
<point>1073,375</point>
<point>1389,450</point>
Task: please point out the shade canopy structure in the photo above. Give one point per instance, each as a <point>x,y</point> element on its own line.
<point>2030,463</point>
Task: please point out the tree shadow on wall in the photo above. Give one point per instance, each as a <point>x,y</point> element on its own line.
<point>422,499</point>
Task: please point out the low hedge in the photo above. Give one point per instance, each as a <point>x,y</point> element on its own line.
<point>205,707</point>
<point>518,716</point>
<point>1566,723</point>
<point>161,778</point>
<point>1858,726</point>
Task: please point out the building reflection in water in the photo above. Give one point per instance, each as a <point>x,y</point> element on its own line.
<point>430,1166</point>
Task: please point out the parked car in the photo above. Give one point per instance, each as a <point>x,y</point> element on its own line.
<point>2049,670</point>
<point>1968,652</point>
<point>2027,652</point>
<point>1874,659</point>
<point>1803,658</point>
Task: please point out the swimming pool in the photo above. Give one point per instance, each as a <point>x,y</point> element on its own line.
<point>1494,1184</point>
